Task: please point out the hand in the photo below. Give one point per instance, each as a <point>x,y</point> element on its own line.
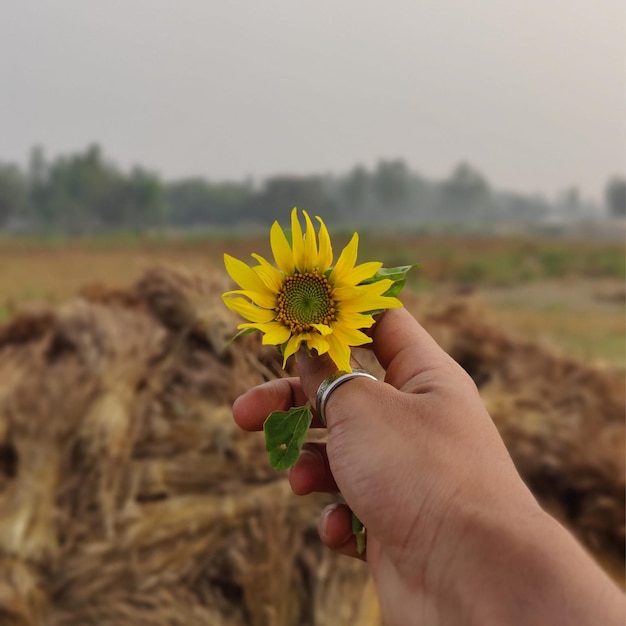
<point>420,462</point>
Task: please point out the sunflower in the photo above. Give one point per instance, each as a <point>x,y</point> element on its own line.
<point>305,299</point>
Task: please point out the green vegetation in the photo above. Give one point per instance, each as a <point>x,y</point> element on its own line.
<point>86,193</point>
<point>572,317</point>
<point>479,262</point>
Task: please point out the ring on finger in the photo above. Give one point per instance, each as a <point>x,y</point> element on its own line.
<point>330,383</point>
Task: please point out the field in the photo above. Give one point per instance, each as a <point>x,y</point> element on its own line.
<point>127,496</point>
<point>568,295</point>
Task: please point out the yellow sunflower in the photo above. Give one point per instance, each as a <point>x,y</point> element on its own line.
<point>305,299</point>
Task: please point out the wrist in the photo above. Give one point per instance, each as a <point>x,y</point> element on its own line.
<point>526,568</point>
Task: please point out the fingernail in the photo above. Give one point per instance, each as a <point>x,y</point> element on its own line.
<point>308,455</point>
<point>326,513</point>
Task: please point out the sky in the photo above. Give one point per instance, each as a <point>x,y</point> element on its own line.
<point>530,92</point>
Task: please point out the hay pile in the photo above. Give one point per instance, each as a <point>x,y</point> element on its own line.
<point>128,496</point>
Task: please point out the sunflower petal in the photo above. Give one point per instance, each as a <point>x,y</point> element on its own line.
<point>310,245</point>
<point>292,347</point>
<point>354,320</point>
<point>345,262</point>
<point>263,299</point>
<point>365,298</point>
<point>275,333</point>
<point>269,274</point>
<point>244,275</point>
<point>248,310</point>
<point>297,241</point>
<point>378,288</point>
<point>322,329</point>
<point>350,336</point>
<point>325,258</point>
<point>382,303</point>
<point>342,294</point>
<point>339,352</point>
<point>318,343</point>
<point>371,303</point>
<point>283,255</point>
<point>361,272</point>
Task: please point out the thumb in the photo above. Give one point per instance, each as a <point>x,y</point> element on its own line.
<point>357,416</point>
<point>402,346</point>
<point>356,396</point>
<point>312,370</point>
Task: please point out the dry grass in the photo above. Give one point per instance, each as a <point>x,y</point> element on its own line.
<point>127,495</point>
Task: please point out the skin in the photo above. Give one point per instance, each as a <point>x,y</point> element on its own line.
<point>453,534</point>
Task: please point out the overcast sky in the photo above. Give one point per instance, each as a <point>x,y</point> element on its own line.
<point>532,92</point>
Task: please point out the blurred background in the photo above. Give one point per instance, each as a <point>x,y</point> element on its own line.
<point>137,115</point>
<point>140,140</point>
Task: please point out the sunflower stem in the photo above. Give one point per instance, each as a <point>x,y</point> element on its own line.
<point>359,532</point>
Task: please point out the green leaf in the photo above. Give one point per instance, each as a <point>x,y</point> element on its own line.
<point>358,530</point>
<point>391,273</point>
<point>395,289</point>
<point>285,432</point>
<point>397,274</point>
<point>357,524</point>
<point>244,331</point>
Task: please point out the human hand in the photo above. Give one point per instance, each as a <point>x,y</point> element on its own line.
<point>420,462</point>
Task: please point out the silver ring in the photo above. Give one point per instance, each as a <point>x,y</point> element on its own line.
<point>330,383</point>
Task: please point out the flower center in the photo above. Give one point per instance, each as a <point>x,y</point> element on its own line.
<point>303,300</point>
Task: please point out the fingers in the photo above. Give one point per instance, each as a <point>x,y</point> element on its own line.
<point>361,398</point>
<point>335,529</point>
<point>312,472</point>
<point>252,408</point>
<point>401,345</point>
<point>313,369</point>
<point>404,348</point>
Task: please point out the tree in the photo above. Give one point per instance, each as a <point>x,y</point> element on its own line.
<point>84,193</point>
<point>37,179</point>
<point>282,193</point>
<point>13,194</point>
<point>392,182</point>
<point>465,196</point>
<point>356,189</point>
<point>196,202</point>
<point>615,196</point>
<point>144,200</point>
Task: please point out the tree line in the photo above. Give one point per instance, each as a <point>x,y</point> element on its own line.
<point>87,193</point>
